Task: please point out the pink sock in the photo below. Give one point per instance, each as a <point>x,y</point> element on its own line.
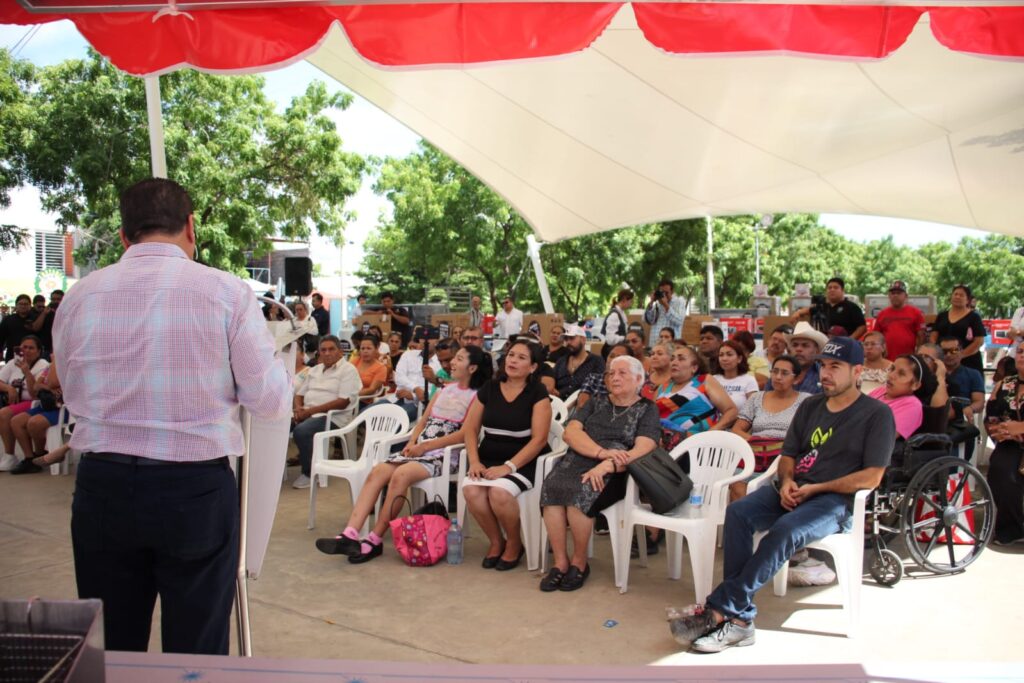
<point>371,540</point>
<point>350,532</point>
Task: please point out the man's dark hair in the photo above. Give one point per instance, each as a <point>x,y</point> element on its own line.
<point>318,296</point>
<point>666,281</point>
<point>26,297</point>
<point>39,298</point>
<point>154,206</point>
<point>387,295</point>
<point>784,328</point>
<point>330,338</point>
<point>57,291</point>
<point>839,281</point>
<point>949,338</point>
<point>715,330</point>
<point>357,337</point>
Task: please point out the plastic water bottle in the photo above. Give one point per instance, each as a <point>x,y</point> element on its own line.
<point>696,500</point>
<point>454,544</point>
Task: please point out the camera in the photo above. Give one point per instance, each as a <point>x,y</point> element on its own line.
<point>660,294</point>
<point>426,333</point>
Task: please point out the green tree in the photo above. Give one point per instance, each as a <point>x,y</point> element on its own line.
<point>16,116</point>
<point>253,173</point>
<point>990,266</point>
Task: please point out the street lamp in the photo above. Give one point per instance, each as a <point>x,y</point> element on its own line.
<point>764,224</point>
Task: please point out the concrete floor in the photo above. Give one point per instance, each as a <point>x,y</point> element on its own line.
<point>309,605</point>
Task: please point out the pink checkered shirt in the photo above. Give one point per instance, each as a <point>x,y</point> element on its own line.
<point>156,353</point>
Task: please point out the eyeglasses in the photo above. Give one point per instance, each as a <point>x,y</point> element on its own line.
<point>955,350</point>
<point>779,372</point>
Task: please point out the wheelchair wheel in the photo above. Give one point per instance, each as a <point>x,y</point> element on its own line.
<point>947,515</point>
<point>886,568</point>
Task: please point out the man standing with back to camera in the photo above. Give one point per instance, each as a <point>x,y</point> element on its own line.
<point>157,353</point>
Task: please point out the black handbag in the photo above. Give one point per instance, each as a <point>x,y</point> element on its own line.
<point>661,480</point>
<point>47,399</point>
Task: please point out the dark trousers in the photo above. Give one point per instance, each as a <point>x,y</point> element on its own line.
<point>1007,486</point>
<point>168,530</point>
<point>303,434</point>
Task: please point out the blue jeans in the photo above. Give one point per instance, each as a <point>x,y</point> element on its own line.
<point>303,434</point>
<point>746,570</point>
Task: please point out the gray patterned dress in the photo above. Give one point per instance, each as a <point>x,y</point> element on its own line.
<point>610,427</point>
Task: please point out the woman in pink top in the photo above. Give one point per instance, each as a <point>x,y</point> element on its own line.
<point>908,386</point>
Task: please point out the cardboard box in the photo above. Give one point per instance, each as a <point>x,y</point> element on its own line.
<point>446,322</point>
<point>692,325</point>
<point>381,320</point>
<point>771,322</point>
<point>542,322</point>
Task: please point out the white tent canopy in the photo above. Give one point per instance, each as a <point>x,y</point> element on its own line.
<point>622,133</point>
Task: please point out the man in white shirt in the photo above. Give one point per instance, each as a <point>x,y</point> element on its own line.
<point>409,381</point>
<point>332,385</point>
<point>509,320</point>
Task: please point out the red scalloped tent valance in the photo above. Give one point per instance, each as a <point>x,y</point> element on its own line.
<point>467,33</point>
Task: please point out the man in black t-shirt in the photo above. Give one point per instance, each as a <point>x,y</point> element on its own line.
<point>842,317</point>
<point>321,315</point>
<point>16,325</point>
<point>400,317</point>
<point>839,442</point>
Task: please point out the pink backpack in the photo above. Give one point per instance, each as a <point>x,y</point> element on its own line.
<point>420,538</point>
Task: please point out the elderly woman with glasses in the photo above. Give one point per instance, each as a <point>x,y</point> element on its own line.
<point>876,364</point>
<point>603,436</point>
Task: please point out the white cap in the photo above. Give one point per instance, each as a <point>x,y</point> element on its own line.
<point>574,331</point>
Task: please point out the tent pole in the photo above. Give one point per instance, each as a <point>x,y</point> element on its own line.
<point>533,249</point>
<point>158,161</point>
<point>711,264</point>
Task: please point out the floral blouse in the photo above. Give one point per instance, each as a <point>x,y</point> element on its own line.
<point>1004,404</point>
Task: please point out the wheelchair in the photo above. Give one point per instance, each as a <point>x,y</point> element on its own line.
<point>937,502</point>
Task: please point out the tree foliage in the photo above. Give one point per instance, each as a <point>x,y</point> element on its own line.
<point>253,173</point>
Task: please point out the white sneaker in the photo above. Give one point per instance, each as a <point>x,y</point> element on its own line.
<point>301,482</point>
<point>7,462</point>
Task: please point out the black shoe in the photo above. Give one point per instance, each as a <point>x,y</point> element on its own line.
<point>339,545</point>
<point>601,525</point>
<point>574,578</point>
<point>552,581</point>
<point>507,565</point>
<point>491,561</point>
<point>652,547</point>
<point>26,466</point>
<point>361,557</point>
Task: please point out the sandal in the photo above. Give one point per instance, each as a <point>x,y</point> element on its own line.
<point>552,581</point>
<point>574,578</point>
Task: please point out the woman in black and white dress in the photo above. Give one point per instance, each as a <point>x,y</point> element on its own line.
<point>514,413</point>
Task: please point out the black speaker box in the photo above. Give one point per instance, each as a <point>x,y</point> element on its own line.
<point>298,276</point>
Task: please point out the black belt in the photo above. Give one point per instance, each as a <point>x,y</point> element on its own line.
<point>122,459</point>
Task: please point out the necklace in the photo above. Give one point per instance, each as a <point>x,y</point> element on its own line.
<point>625,409</point>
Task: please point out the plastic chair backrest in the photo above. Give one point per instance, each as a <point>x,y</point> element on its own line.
<point>382,422</point>
<point>555,433</point>
<point>558,410</point>
<point>713,456</point>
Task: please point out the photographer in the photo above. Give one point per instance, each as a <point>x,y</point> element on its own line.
<point>833,314</point>
<point>665,310</point>
<point>400,317</point>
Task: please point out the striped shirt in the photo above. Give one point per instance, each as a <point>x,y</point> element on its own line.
<point>157,352</point>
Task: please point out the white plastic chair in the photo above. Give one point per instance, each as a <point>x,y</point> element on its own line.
<point>385,426</point>
<point>714,457</point>
<point>56,437</point>
<point>530,521</point>
<point>846,549</point>
<point>570,404</point>
<point>559,413</point>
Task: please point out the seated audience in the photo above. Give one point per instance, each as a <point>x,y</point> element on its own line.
<point>1004,422</point>
<point>735,377</point>
<point>932,356</point>
<point>711,338</point>
<point>410,381</point>
<point>758,366</point>
<point>596,385</point>
<point>909,387</point>
<point>776,343</point>
<point>330,385</point>
<point>438,371</point>
<point>20,380</point>
<point>31,426</point>
<point>310,342</point>
<point>441,425</point>
<point>692,401</point>
<point>456,333</point>
<point>817,479</point>
<point>556,348</point>
<point>665,336</point>
<point>876,364</point>
<point>764,419</point>
<point>660,370</point>
<point>963,383</point>
<point>964,324</point>
<point>638,347</point>
<point>573,369</point>
<point>372,372</point>
<point>514,415</point>
<point>394,350</point>
<point>382,346</point>
<point>806,343</point>
<point>605,435</point>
